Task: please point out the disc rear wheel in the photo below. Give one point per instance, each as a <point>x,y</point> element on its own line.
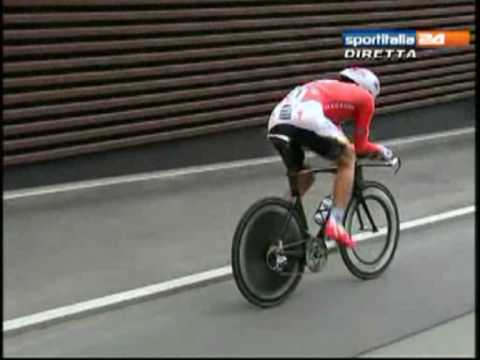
<point>254,242</point>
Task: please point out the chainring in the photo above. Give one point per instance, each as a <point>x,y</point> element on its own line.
<point>316,254</point>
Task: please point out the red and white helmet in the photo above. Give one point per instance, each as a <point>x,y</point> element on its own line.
<point>364,78</point>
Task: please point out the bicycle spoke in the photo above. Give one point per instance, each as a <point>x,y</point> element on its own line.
<point>369,216</point>
<point>360,220</point>
<point>374,206</point>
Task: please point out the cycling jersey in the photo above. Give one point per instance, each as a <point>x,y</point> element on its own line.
<point>317,104</point>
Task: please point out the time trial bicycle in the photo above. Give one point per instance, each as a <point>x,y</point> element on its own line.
<point>272,243</point>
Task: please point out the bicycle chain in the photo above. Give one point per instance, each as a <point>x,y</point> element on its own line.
<point>316,255</point>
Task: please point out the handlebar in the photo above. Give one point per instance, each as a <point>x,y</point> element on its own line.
<point>395,163</point>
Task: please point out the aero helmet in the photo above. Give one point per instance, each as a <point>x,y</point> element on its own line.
<point>364,78</point>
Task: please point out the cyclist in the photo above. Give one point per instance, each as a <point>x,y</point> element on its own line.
<point>310,116</point>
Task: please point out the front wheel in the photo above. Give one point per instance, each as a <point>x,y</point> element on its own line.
<point>256,233</point>
<point>373,220</point>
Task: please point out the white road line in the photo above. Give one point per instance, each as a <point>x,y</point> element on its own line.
<point>165,174</point>
<point>412,223</point>
<point>103,303</point>
<point>112,300</point>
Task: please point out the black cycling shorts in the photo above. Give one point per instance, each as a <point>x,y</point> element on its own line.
<point>292,140</point>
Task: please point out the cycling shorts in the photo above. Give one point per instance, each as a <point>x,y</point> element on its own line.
<point>295,126</point>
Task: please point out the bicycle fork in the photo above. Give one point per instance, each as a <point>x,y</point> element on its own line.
<point>357,192</point>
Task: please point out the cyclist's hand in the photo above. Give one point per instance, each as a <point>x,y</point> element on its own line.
<point>385,153</point>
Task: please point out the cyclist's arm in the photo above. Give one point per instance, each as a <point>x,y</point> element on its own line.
<point>363,118</point>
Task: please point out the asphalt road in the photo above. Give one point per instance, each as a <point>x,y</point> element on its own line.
<point>64,248</point>
<point>331,314</point>
<point>454,338</point>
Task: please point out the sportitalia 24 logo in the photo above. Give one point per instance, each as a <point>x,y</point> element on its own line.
<point>401,44</point>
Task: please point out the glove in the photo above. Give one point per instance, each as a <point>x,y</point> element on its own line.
<point>385,153</point>
<point>379,152</point>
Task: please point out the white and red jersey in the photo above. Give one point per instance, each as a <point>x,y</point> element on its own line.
<point>316,102</point>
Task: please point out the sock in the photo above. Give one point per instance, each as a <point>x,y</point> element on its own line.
<point>337,214</point>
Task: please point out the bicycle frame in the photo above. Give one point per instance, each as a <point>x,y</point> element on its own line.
<point>356,192</point>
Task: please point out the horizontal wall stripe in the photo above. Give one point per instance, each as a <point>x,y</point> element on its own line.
<point>97,75</point>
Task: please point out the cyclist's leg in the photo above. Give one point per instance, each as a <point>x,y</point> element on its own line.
<point>285,140</point>
<point>342,153</point>
<point>327,140</point>
<point>282,131</point>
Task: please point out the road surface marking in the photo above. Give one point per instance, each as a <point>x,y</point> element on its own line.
<point>412,223</point>
<point>165,174</point>
<point>13,326</point>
